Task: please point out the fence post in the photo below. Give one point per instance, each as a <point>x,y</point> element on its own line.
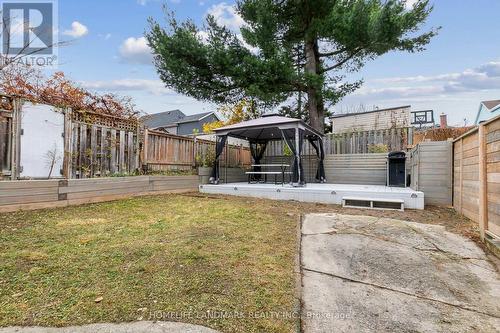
<point>195,151</point>
<point>16,139</point>
<point>145,147</point>
<point>138,148</point>
<point>68,144</point>
<point>410,136</point>
<point>461,180</point>
<point>483,183</point>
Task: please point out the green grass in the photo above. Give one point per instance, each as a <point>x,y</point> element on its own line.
<point>149,258</point>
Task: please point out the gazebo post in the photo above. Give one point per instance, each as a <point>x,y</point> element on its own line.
<point>297,152</point>
<point>225,162</point>
<point>220,143</point>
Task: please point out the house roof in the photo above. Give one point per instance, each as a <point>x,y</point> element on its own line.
<point>194,117</point>
<point>163,118</point>
<point>171,118</point>
<point>491,104</point>
<point>365,112</point>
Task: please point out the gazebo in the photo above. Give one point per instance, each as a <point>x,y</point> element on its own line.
<point>259,132</point>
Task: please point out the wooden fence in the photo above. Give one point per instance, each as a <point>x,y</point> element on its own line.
<point>5,139</point>
<point>430,165</point>
<point>95,145</point>
<point>365,142</point>
<point>36,194</point>
<point>164,151</point>
<point>476,174</point>
<point>363,169</point>
<point>10,129</point>
<point>394,139</point>
<point>100,148</point>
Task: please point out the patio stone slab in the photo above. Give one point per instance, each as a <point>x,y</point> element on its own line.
<point>369,274</point>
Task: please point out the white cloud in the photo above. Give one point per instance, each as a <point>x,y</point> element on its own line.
<point>145,2</point>
<point>409,3</point>
<point>77,30</point>
<point>492,69</point>
<point>457,93</point>
<point>136,50</point>
<point>203,36</point>
<point>227,16</point>
<point>483,77</point>
<point>155,87</point>
<point>398,92</point>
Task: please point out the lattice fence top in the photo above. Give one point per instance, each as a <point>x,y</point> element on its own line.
<point>106,120</point>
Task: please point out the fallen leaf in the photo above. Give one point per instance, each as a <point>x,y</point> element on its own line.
<point>98,299</point>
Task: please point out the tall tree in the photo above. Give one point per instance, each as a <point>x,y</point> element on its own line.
<point>287,48</point>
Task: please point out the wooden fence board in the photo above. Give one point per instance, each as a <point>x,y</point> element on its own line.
<point>121,153</point>
<point>113,143</point>
<point>477,175</point>
<point>131,157</point>
<point>93,148</point>
<point>165,151</point>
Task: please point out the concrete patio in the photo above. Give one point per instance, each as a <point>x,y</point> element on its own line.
<point>369,274</point>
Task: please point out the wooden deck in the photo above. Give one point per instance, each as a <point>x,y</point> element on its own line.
<point>321,193</point>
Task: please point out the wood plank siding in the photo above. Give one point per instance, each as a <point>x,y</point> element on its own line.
<point>36,194</point>
<point>372,120</point>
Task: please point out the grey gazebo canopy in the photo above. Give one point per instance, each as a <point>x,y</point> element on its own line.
<point>268,128</point>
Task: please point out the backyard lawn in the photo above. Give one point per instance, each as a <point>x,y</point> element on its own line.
<point>149,258</point>
<point>169,257</point>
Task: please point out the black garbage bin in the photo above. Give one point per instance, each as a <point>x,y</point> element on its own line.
<point>396,169</point>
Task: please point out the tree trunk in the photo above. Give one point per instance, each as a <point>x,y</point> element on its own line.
<point>314,102</point>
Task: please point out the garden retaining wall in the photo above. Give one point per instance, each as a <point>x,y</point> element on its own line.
<point>36,194</point>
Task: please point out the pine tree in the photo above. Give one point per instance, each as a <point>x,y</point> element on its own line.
<point>304,48</point>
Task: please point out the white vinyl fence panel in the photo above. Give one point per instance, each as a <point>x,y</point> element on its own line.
<point>42,141</point>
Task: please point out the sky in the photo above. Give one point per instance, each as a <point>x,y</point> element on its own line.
<point>459,68</point>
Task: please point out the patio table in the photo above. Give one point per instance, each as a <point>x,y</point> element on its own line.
<point>265,173</point>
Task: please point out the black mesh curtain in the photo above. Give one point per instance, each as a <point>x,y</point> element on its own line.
<point>317,144</point>
<point>289,137</point>
<point>220,142</point>
<point>257,149</point>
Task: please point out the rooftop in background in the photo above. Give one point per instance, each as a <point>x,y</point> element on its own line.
<point>163,118</point>
<point>176,122</point>
<point>172,117</point>
<point>194,117</point>
<point>491,104</point>
<point>487,110</point>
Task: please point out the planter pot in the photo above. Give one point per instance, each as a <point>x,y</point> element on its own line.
<point>204,174</point>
